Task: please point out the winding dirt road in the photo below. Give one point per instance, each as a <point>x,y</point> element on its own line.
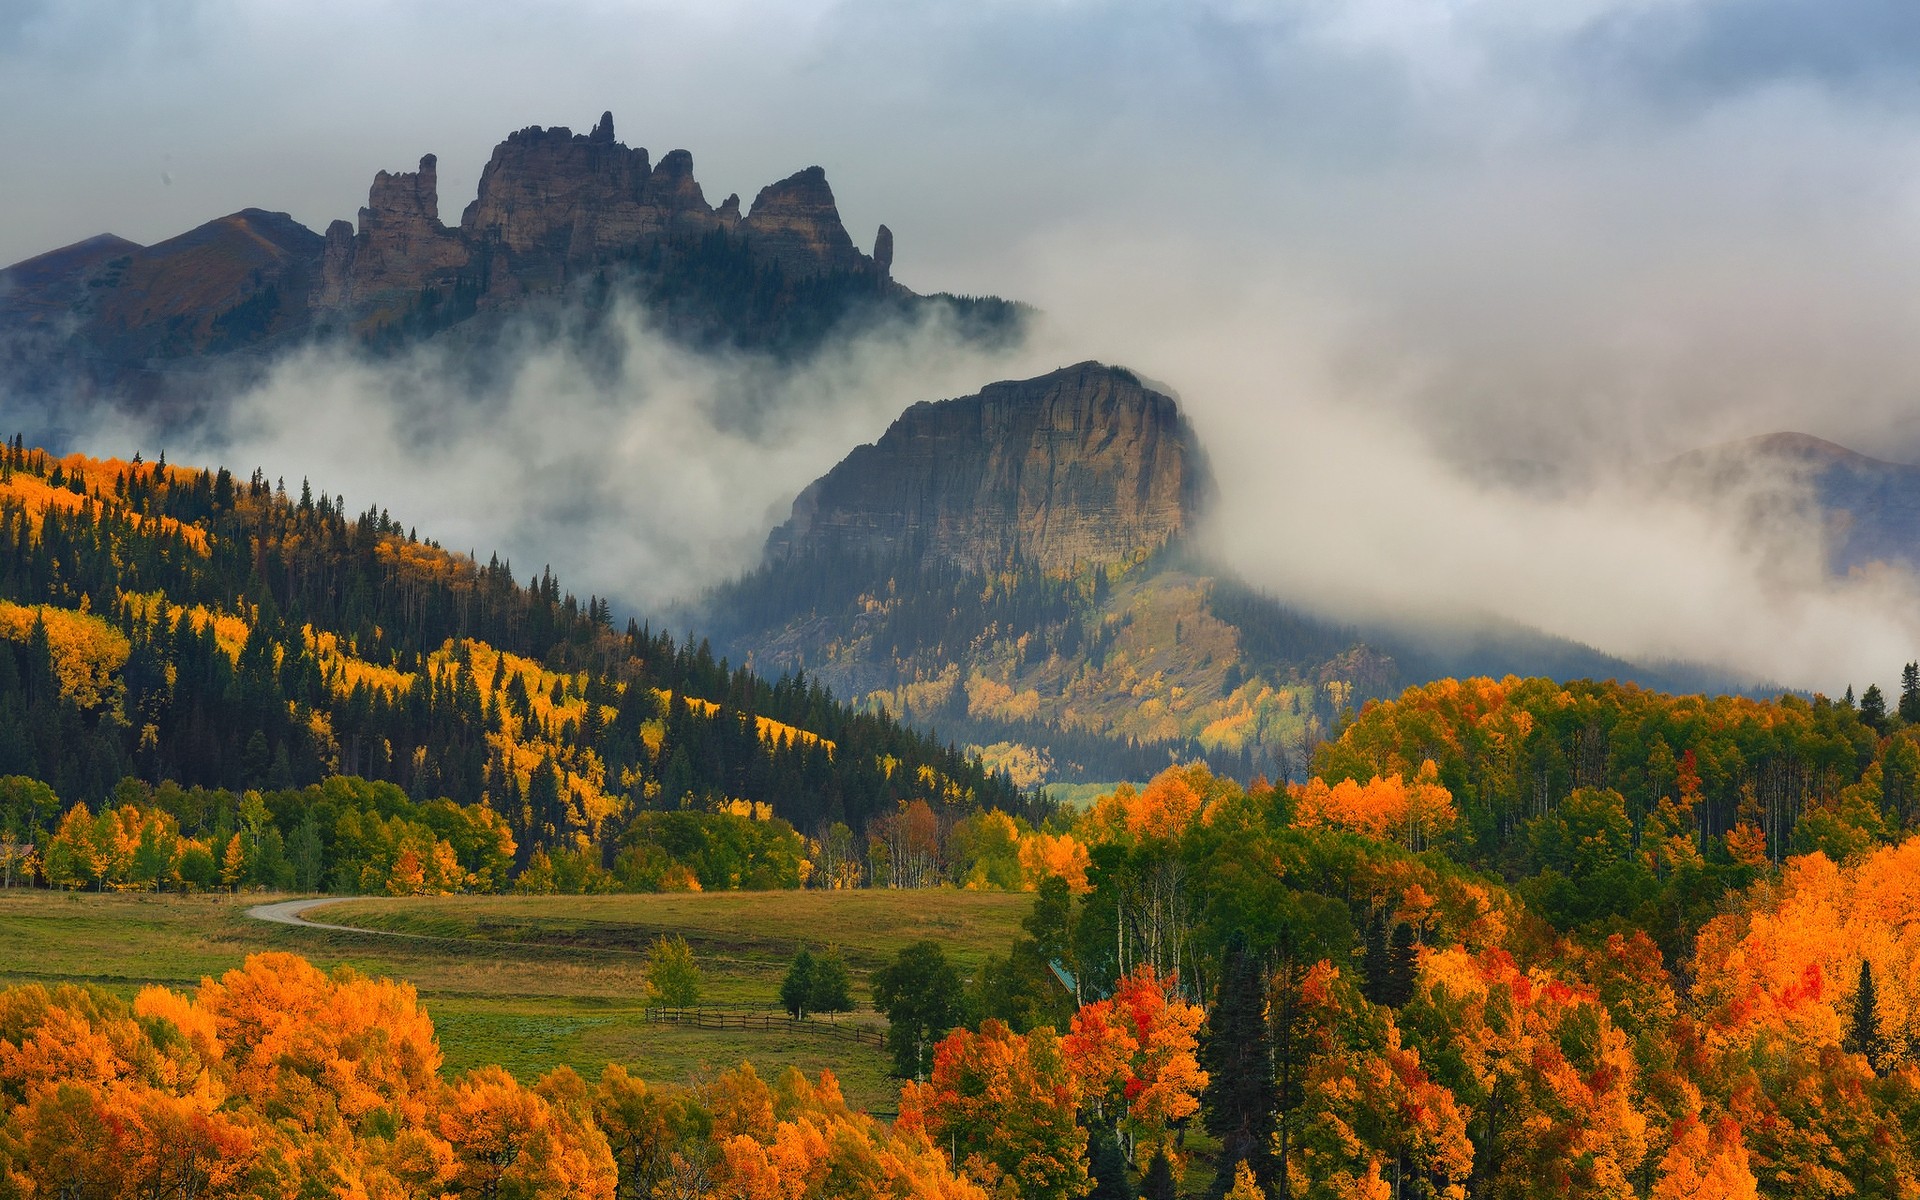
<point>289,912</point>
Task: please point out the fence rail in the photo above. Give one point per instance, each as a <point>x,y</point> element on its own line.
<point>717,1018</point>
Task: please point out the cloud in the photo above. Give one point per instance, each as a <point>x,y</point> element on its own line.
<point>1391,252</point>
<point>637,468</point>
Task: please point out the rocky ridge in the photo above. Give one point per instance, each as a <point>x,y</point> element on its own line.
<point>553,207</point>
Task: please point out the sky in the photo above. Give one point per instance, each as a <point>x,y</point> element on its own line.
<point>1393,255</point>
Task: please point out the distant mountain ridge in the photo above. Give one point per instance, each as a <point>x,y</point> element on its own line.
<point>1867,509</point>
<point>555,211</point>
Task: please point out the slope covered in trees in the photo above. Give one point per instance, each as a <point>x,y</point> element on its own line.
<point>174,637</point>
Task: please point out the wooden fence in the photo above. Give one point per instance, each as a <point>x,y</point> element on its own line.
<point>766,1022</point>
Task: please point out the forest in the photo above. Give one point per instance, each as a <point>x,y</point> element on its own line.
<point>168,633</point>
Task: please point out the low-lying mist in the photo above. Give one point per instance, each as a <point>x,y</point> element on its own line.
<point>640,469</point>
<point>646,471</point>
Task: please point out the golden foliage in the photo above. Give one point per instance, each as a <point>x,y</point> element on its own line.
<point>87,652</point>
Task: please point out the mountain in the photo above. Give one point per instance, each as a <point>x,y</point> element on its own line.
<point>558,215</point>
<point>1014,568</point>
<point>1866,511</point>
<point>1011,567</point>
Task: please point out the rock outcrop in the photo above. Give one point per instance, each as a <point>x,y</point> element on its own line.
<point>796,224</point>
<point>552,207</point>
<point>1080,467</point>
<point>400,248</point>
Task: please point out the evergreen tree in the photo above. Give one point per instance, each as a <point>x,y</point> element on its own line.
<point>1237,1051</point>
<point>796,990</point>
<point>1400,964</point>
<point>1158,1184</point>
<point>1873,709</point>
<point>1108,1166</point>
<point>1373,960</point>
<point>1910,694</point>
<point>1863,1029</point>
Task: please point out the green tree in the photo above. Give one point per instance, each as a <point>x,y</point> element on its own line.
<point>796,990</point>
<point>1237,1051</point>
<point>1158,1184</point>
<point>1910,694</point>
<point>304,852</point>
<point>920,992</point>
<point>672,975</point>
<point>1863,1028</point>
<point>832,990</point>
<point>1873,709</point>
<point>1108,1166</point>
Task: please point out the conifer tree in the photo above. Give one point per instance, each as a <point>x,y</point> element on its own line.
<point>1863,1029</point>
<point>1158,1184</point>
<point>1398,987</point>
<point>1873,708</point>
<point>796,990</point>
<point>1108,1166</point>
<point>1241,1098</point>
<point>1910,693</point>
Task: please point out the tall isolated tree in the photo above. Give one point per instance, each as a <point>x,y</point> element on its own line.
<point>1910,694</point>
<point>796,990</point>
<point>672,975</point>
<point>920,993</point>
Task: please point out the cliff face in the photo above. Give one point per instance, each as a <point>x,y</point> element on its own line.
<point>1084,466</point>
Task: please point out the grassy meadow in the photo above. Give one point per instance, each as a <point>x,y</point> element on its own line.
<point>532,982</point>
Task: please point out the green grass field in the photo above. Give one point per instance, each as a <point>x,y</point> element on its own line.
<point>533,982</point>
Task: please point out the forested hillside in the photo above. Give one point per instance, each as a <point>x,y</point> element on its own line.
<point>179,629</point>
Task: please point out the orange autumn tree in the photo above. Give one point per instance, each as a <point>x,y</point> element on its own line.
<point>1372,1110</point>
<point>799,1139</point>
<point>277,1079</point>
<point>1790,959</point>
<point>1005,1104</point>
<point>1705,1164</point>
<point>1135,1056</point>
<point>1391,808</point>
<point>1548,1083</point>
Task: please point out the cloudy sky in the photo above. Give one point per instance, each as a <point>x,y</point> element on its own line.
<point>1385,250</point>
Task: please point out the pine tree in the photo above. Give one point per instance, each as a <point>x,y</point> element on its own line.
<point>1401,960</point>
<point>1373,961</point>
<point>1108,1166</point>
<point>1863,1030</point>
<point>796,990</point>
<point>1241,1097</point>
<point>1158,1184</point>
<point>1910,693</point>
<point>1873,709</point>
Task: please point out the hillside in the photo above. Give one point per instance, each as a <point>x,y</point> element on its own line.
<point>173,628</point>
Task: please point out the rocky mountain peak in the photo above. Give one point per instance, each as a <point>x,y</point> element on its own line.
<point>1082,466</point>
